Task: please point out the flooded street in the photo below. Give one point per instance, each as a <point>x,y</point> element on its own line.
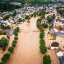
<point>27,50</point>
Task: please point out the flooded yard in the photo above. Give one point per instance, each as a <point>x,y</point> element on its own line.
<point>27,50</point>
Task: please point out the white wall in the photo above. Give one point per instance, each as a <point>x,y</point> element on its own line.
<point>60,53</point>
<point>54,47</point>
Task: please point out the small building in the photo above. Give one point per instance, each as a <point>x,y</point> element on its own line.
<point>61,60</point>
<point>59,52</point>
<point>54,46</point>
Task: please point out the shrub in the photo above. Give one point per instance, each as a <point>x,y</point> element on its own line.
<point>15,38</point>
<point>11,49</point>
<point>13,44</point>
<point>2,63</point>
<point>45,25</point>
<point>5,57</point>
<point>3,33</point>
<point>43,49</point>
<point>28,21</point>
<point>42,42</point>
<point>4,42</point>
<point>55,43</point>
<point>46,59</point>
<point>8,37</point>
<point>14,41</point>
<point>15,33</point>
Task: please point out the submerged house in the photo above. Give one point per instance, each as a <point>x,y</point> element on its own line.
<point>61,60</point>
<point>59,52</point>
<point>54,46</point>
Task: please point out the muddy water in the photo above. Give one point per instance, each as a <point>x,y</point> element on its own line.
<point>27,50</point>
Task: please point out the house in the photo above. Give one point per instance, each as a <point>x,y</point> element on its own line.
<point>59,52</point>
<point>61,60</point>
<point>54,46</point>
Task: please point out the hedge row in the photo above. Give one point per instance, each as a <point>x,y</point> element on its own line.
<point>43,48</point>
<point>10,49</point>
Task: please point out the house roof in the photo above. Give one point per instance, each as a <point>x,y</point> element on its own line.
<point>54,45</point>
<point>61,60</point>
<point>58,50</point>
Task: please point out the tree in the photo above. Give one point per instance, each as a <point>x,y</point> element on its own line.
<point>53,16</point>
<point>20,20</point>
<point>14,43</point>
<point>45,25</point>
<point>15,33</point>
<point>15,38</point>
<point>42,42</point>
<point>55,43</point>
<point>11,49</point>
<point>42,34</point>
<point>6,17</point>
<point>8,37</point>
<point>2,63</point>
<point>46,59</point>
<point>28,21</point>
<point>59,27</point>
<point>4,41</point>
<point>14,13</point>
<point>27,17</point>
<point>5,57</point>
<point>43,49</point>
<point>49,18</point>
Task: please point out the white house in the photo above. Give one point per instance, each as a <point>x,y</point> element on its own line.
<point>59,52</point>
<point>54,46</point>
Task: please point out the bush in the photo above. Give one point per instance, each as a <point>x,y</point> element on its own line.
<point>5,57</point>
<point>28,21</point>
<point>45,25</point>
<point>42,42</point>
<point>43,49</point>
<point>55,43</point>
<point>3,33</point>
<point>8,37</point>
<point>4,42</point>
<point>42,34</point>
<point>15,38</point>
<point>15,33</point>
<point>13,44</point>
<point>14,41</point>
<point>46,59</point>
<point>11,49</point>
<point>2,63</point>
<point>5,27</point>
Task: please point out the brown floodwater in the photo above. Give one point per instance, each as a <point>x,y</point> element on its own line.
<point>27,50</point>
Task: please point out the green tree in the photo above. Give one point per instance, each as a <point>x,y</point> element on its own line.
<point>20,20</point>
<point>27,17</point>
<point>2,63</point>
<point>45,25</point>
<point>15,38</point>
<point>14,13</point>
<point>4,42</point>
<point>43,49</point>
<point>46,59</point>
<point>11,49</point>
<point>53,16</point>
<point>42,42</point>
<point>8,37</point>
<point>59,27</point>
<point>5,57</point>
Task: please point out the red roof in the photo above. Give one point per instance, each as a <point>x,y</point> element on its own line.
<point>59,49</point>
<point>54,45</point>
